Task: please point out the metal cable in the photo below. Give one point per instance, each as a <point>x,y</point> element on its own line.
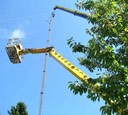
<point>45,63</point>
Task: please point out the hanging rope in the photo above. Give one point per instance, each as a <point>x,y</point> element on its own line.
<point>45,62</point>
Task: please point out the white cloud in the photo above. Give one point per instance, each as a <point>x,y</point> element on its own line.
<point>17,34</point>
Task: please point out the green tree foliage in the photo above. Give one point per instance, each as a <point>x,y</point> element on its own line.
<point>106,52</point>
<point>20,109</point>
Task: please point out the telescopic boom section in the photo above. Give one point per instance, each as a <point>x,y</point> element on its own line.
<point>77,13</point>
<point>35,50</point>
<point>60,59</point>
<point>69,66</point>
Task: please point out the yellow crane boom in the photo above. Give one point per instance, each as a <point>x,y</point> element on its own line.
<point>16,51</point>
<point>59,58</point>
<point>64,62</point>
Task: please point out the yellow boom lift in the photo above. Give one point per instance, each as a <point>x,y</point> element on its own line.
<point>15,52</point>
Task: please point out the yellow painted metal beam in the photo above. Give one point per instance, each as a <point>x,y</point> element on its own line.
<point>69,66</point>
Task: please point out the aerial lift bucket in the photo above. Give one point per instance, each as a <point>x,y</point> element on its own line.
<point>13,49</point>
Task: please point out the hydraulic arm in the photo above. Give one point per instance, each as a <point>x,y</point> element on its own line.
<point>16,51</point>
<point>59,58</point>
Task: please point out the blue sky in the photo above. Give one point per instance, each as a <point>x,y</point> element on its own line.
<point>22,82</point>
